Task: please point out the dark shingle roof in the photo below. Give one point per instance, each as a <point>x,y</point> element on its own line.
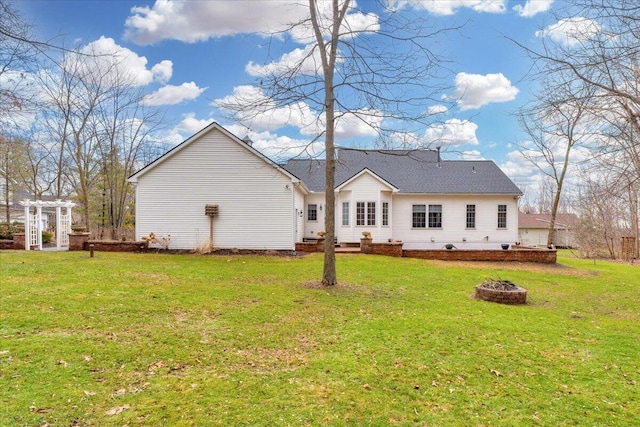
<point>411,171</point>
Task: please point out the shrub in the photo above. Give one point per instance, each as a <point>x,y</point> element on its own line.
<point>47,237</point>
<point>7,230</point>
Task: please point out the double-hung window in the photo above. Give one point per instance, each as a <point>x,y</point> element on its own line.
<point>435,216</point>
<point>312,212</point>
<point>471,216</point>
<point>345,213</point>
<point>502,216</point>
<point>419,216</point>
<point>365,213</point>
<point>385,213</point>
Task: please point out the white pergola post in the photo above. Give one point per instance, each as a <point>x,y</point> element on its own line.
<point>58,224</point>
<point>39,222</point>
<point>27,225</point>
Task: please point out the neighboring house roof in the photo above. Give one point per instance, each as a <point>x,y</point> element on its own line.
<point>246,144</point>
<point>563,220</point>
<point>410,171</point>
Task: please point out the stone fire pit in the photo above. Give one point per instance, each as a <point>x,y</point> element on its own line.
<point>501,291</point>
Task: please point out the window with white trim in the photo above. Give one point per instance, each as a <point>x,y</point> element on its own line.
<point>385,213</point>
<point>365,213</point>
<point>312,212</point>
<point>345,213</point>
<point>471,216</point>
<point>502,216</point>
<point>435,216</point>
<point>419,216</point>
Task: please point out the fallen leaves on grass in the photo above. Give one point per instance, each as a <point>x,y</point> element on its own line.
<point>117,410</point>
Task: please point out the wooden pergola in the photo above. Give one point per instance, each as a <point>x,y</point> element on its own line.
<point>33,222</point>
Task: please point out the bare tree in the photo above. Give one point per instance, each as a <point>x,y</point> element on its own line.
<point>17,57</point>
<point>556,122</point>
<point>124,125</point>
<point>376,70</point>
<point>597,42</point>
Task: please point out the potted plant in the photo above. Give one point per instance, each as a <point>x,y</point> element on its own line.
<point>78,228</point>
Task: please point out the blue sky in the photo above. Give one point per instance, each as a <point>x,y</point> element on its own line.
<point>190,54</point>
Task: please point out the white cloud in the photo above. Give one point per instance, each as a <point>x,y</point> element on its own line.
<point>354,124</point>
<point>162,71</point>
<point>533,7</point>
<point>256,111</point>
<point>189,126</point>
<point>171,95</point>
<point>437,109</point>
<point>517,166</point>
<point>449,7</point>
<point>193,21</point>
<point>572,31</point>
<point>471,155</point>
<point>453,132</point>
<point>108,58</point>
<point>475,90</point>
<point>276,146</point>
<point>306,61</point>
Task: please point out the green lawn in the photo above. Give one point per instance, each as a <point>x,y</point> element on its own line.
<point>189,340</point>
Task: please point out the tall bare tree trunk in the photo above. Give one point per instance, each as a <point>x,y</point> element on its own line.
<point>329,51</point>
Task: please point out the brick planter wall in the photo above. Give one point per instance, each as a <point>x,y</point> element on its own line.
<point>77,241</point>
<point>8,244</point>
<point>18,240</point>
<point>116,246</point>
<point>389,249</point>
<point>543,256</point>
<point>306,247</point>
<point>517,296</point>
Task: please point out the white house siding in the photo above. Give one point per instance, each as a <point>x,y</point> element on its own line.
<point>533,236</point>
<point>256,204</point>
<point>454,209</point>
<point>300,214</point>
<point>311,228</point>
<point>364,188</point>
<point>538,237</point>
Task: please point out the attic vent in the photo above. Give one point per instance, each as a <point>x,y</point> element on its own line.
<point>247,141</point>
<point>211,210</point>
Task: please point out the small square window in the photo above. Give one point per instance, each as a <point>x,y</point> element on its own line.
<point>312,212</point>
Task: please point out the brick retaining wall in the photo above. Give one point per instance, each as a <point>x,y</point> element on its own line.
<point>7,244</point>
<point>543,256</point>
<point>389,249</point>
<point>115,246</point>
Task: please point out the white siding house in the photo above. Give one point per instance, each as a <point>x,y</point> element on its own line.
<point>416,197</point>
<point>257,200</point>
<point>413,196</point>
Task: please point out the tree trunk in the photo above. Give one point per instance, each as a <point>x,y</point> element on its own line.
<point>329,277</point>
<point>556,198</point>
<point>328,53</point>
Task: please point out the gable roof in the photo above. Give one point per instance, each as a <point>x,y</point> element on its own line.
<point>565,220</point>
<point>410,171</point>
<point>195,137</point>
<point>366,171</point>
